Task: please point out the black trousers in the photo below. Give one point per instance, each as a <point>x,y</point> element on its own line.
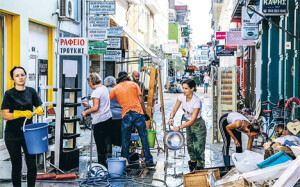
<point>117,132</point>
<point>14,150</point>
<point>226,137</point>
<point>103,135</point>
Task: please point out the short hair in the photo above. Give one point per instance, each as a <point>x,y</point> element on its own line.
<point>135,72</point>
<point>121,73</point>
<point>191,83</point>
<point>14,68</point>
<point>94,78</point>
<point>109,81</point>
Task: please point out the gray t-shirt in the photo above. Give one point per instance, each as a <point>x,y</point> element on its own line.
<point>103,113</point>
<point>115,108</point>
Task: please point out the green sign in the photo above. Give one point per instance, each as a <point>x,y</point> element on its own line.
<point>97,47</point>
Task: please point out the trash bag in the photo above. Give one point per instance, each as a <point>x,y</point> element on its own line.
<point>247,161</point>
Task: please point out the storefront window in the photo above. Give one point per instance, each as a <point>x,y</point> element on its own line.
<point>1,73</point>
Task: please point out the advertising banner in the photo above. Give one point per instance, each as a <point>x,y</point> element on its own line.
<point>98,34</point>
<point>102,7</point>
<point>115,31</point>
<point>113,55</point>
<point>235,39</point>
<point>97,47</point>
<point>221,51</point>
<point>73,46</point>
<point>273,8</point>
<point>114,43</point>
<point>249,26</point>
<point>98,22</point>
<point>220,35</point>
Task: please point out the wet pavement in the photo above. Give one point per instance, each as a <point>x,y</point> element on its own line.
<point>168,170</point>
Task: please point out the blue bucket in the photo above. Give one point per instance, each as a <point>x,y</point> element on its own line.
<point>115,167</point>
<point>36,137</point>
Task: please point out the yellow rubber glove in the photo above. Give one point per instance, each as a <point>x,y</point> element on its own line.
<point>19,114</point>
<point>39,111</point>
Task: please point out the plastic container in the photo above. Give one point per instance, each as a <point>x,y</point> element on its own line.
<point>151,134</point>
<point>116,167</point>
<point>134,137</point>
<point>36,137</point>
<point>116,152</point>
<point>278,158</point>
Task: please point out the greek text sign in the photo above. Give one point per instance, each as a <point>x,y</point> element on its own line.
<point>114,43</point>
<point>113,55</point>
<point>115,31</point>
<point>102,7</point>
<point>235,39</point>
<point>98,22</point>
<point>278,7</point>
<point>220,35</point>
<point>249,26</point>
<point>97,47</point>
<point>98,34</point>
<point>73,46</point>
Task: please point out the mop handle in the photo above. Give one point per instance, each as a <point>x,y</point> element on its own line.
<point>25,122</point>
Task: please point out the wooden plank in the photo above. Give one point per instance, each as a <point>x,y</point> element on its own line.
<point>151,94</point>
<point>162,107</point>
<point>291,175</point>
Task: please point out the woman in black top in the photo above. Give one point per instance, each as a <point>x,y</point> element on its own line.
<point>17,105</point>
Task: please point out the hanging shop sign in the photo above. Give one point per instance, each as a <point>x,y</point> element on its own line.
<point>171,48</point>
<point>102,7</point>
<point>220,35</point>
<point>98,34</point>
<point>249,26</point>
<point>235,39</point>
<point>274,8</point>
<point>115,31</point>
<point>183,51</point>
<point>99,22</point>
<point>221,51</point>
<point>113,55</point>
<point>114,43</point>
<point>73,46</point>
<point>97,47</point>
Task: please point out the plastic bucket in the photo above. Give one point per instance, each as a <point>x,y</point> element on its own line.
<point>36,137</point>
<point>151,134</point>
<point>115,167</point>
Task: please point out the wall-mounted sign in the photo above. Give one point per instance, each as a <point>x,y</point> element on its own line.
<point>114,43</point>
<point>98,34</point>
<point>43,67</point>
<point>249,26</point>
<point>115,31</point>
<point>221,51</point>
<point>73,46</point>
<point>171,48</point>
<point>113,55</point>
<point>220,35</point>
<point>99,22</point>
<point>102,7</point>
<point>273,8</point>
<point>97,47</point>
<point>288,45</point>
<point>235,39</point>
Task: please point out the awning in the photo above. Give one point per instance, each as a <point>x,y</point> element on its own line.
<point>237,12</point>
<point>134,37</point>
<point>192,67</point>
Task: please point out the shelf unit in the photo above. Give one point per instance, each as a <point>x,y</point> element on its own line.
<point>227,86</point>
<point>66,158</point>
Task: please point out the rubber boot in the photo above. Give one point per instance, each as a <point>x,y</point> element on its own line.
<point>226,162</point>
<point>192,166</point>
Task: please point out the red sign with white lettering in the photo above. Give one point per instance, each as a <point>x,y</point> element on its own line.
<point>220,35</point>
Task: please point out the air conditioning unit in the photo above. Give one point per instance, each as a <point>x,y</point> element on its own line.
<point>66,11</point>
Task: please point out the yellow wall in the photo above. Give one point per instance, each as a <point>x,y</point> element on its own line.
<point>13,44</point>
<point>50,62</point>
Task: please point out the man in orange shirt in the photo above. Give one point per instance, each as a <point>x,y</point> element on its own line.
<point>129,96</point>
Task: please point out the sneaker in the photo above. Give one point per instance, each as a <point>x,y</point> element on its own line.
<point>150,164</point>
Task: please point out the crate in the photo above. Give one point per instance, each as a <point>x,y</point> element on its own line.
<point>198,178</point>
<point>237,183</point>
<point>280,113</point>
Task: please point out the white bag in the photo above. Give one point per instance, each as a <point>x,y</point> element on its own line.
<point>247,161</point>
